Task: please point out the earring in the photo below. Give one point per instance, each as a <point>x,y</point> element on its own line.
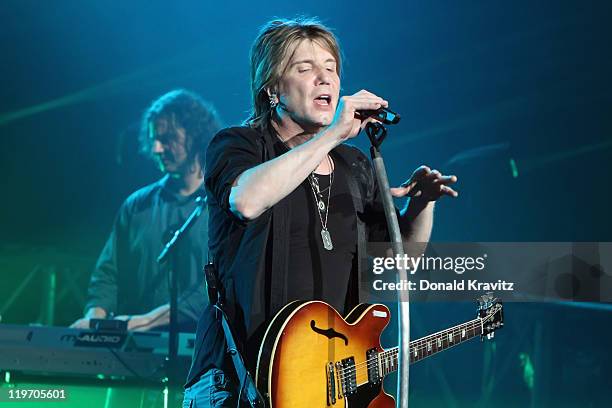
<point>273,101</point>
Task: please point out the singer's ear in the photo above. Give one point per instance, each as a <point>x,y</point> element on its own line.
<point>272,97</point>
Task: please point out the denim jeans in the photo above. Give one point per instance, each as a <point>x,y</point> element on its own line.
<point>213,389</point>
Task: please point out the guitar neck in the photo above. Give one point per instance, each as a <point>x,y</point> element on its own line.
<point>430,345</point>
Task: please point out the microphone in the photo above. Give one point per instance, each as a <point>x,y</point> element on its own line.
<point>384,115</point>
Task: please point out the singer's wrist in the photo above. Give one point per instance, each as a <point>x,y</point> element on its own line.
<point>328,139</point>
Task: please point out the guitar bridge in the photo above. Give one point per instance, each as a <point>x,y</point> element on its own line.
<point>331,384</point>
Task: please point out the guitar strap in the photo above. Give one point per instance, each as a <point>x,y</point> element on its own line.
<point>216,297</point>
<point>216,293</point>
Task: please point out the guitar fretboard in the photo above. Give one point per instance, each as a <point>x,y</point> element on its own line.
<point>430,345</point>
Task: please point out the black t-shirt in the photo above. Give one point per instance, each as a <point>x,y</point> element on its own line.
<point>315,272</point>
<point>250,255</point>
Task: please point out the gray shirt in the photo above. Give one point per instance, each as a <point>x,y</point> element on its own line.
<point>128,280</point>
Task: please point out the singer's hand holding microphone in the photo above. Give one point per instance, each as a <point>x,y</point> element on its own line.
<point>346,123</point>
<point>352,115</point>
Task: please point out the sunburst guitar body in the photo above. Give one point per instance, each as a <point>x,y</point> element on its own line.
<point>312,357</point>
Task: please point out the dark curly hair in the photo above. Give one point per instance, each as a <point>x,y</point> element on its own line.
<point>184,109</point>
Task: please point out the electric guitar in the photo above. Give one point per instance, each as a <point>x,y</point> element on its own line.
<point>312,357</point>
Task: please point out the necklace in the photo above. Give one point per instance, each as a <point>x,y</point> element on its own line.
<point>320,204</point>
<point>321,207</point>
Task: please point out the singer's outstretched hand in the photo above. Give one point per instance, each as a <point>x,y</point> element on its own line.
<point>427,185</point>
<point>344,124</point>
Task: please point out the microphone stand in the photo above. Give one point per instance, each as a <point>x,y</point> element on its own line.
<point>168,251</point>
<point>376,133</point>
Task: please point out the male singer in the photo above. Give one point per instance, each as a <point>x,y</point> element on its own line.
<point>290,202</point>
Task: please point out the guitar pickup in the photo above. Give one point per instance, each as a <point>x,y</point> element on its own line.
<point>347,376</point>
<point>374,376</point>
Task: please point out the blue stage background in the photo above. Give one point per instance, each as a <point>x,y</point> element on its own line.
<point>514,98</point>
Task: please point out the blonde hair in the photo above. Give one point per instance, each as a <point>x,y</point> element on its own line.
<point>270,52</point>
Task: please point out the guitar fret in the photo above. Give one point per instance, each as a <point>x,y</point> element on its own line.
<point>388,360</point>
<point>443,340</point>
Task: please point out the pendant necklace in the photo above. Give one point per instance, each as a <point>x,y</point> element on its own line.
<point>320,204</point>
